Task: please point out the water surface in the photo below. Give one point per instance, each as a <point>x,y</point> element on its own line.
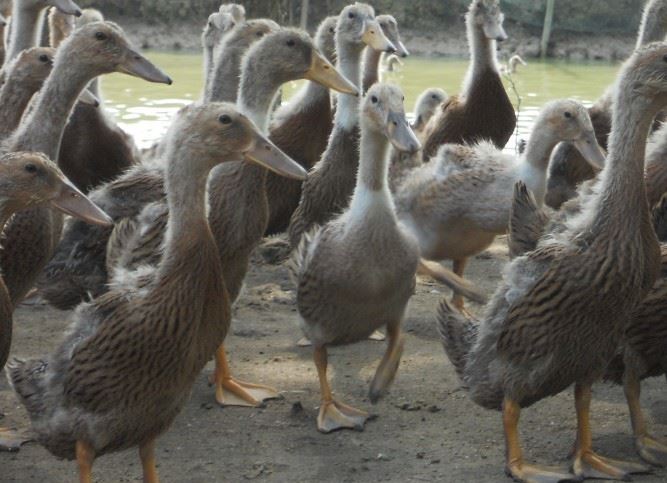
<point>145,110</point>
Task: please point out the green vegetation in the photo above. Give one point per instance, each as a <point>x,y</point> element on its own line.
<point>592,16</point>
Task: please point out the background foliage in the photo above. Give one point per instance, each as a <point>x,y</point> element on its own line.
<point>575,15</point>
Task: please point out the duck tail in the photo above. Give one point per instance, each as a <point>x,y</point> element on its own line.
<point>301,254</point>
<point>27,380</point>
<point>659,215</point>
<point>458,285</point>
<point>458,335</point>
<point>527,221</point>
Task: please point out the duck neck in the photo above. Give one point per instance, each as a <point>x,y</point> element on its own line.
<point>652,27</point>
<point>186,196</point>
<point>257,92</point>
<point>535,161</point>
<point>623,191</point>
<point>371,67</point>
<point>482,53</point>
<point>14,98</point>
<point>372,189</point>
<point>225,76</point>
<point>27,19</point>
<point>42,130</point>
<point>347,112</point>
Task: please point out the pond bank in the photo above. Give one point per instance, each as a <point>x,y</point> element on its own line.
<point>448,43</point>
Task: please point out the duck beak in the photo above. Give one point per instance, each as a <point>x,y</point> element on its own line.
<point>139,66</point>
<point>323,72</point>
<point>266,154</point>
<point>589,148</point>
<point>373,36</point>
<point>67,7</point>
<point>73,202</point>
<point>88,98</point>
<point>401,50</point>
<point>401,135</point>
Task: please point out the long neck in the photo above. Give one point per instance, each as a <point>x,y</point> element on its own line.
<point>652,27</point>
<point>347,112</point>
<point>225,76</point>
<point>482,53</point>
<point>371,67</point>
<point>26,21</point>
<point>535,161</point>
<point>257,92</point>
<point>42,130</point>
<point>372,190</point>
<point>14,98</point>
<point>186,196</point>
<point>622,197</point>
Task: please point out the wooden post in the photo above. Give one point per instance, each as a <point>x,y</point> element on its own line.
<point>304,14</point>
<point>548,23</point>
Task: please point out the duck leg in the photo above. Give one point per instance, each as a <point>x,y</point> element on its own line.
<point>458,268</point>
<point>650,449</point>
<point>515,466</point>
<point>386,371</point>
<point>232,392</point>
<point>85,455</point>
<point>333,414</point>
<point>11,440</point>
<point>587,464</point>
<point>147,455</point>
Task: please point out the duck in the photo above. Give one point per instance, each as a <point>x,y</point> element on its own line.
<point>331,181</point>
<point>356,273</point>
<point>568,170</point>
<point>372,57</point>
<point>554,321</point>
<point>3,27</point>
<point>301,128</point>
<point>278,58</point>
<point>483,110</point>
<point>106,387</point>
<point>513,64</point>
<point>460,201</point>
<point>218,24</point>
<point>401,163</point>
<point>96,49</point>
<point>24,76</point>
<point>77,271</point>
<point>392,63</point>
<point>31,179</point>
<point>94,148</point>
<point>26,22</point>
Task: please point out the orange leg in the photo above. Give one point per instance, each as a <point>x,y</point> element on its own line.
<point>232,392</point>
<point>650,449</point>
<point>459,267</point>
<point>515,465</point>
<point>333,414</point>
<point>147,455</point>
<point>85,455</point>
<point>587,464</point>
<point>386,371</point>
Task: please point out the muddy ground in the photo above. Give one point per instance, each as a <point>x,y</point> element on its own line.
<point>426,428</point>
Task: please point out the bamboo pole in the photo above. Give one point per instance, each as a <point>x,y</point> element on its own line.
<point>548,23</point>
<point>304,14</point>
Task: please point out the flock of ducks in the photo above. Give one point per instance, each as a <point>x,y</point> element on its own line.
<point>159,241</point>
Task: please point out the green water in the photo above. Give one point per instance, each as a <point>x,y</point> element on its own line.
<point>145,110</point>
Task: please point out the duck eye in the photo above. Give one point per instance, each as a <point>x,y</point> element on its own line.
<point>351,15</point>
<point>291,43</point>
<point>665,58</point>
<point>434,96</point>
<point>332,30</point>
<point>100,36</point>
<point>44,58</point>
<point>210,24</point>
<point>567,114</point>
<point>225,119</point>
<point>374,99</point>
<point>259,34</point>
<point>31,168</point>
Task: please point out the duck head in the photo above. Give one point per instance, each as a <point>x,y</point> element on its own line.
<point>357,25</point>
<point>488,16</point>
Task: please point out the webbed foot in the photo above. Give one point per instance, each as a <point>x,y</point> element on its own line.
<point>11,440</point>
<point>335,415</point>
<point>652,450</point>
<point>592,466</point>
<point>232,392</point>
<point>538,474</point>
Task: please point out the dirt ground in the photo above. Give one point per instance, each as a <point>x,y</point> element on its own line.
<point>426,428</point>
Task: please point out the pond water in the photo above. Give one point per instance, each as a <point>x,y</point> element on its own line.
<point>145,110</point>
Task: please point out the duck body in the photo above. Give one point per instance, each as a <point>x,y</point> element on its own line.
<point>483,110</point>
